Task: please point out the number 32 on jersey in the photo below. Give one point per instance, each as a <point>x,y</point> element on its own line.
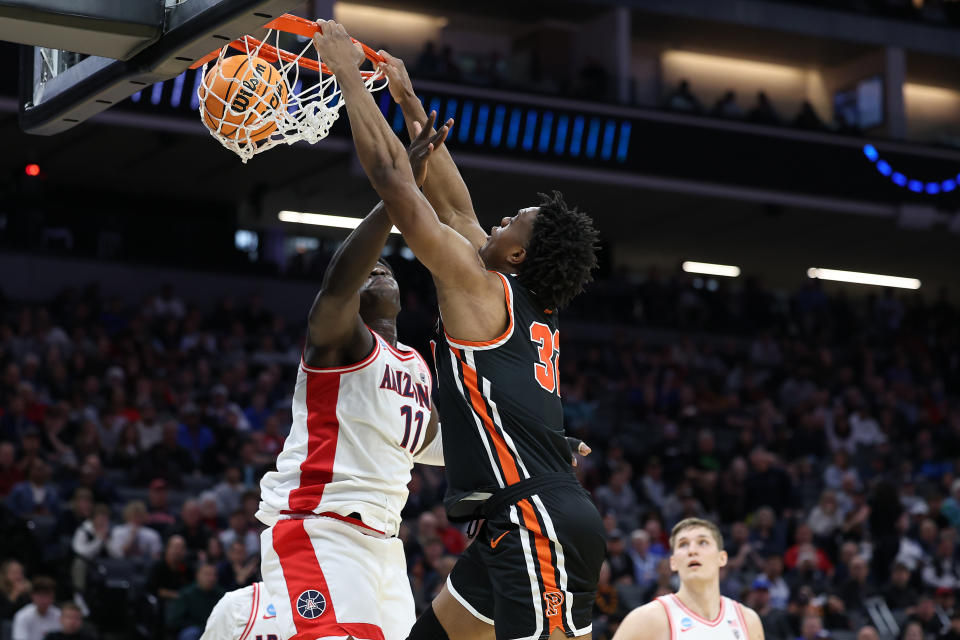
<point>547,371</point>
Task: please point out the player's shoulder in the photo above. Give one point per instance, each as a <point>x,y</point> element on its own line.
<point>647,622</point>
<point>752,619</point>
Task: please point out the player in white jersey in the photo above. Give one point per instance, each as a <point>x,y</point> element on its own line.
<point>243,614</point>
<point>362,415</point>
<point>697,611</point>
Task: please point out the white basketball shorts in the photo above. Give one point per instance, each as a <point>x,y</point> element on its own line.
<point>327,579</point>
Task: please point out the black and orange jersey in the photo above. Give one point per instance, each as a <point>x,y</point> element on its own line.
<point>499,401</point>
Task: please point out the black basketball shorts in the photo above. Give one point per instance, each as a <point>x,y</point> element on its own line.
<point>533,566</point>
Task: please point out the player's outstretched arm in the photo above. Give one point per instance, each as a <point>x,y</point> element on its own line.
<point>447,254</point>
<point>334,324</point>
<point>648,622</point>
<point>444,188</point>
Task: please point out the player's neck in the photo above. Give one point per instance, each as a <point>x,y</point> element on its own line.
<point>702,599</point>
<point>387,329</point>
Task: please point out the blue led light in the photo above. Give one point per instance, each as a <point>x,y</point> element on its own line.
<point>513,130</point>
<point>592,137</point>
<point>194,98</point>
<point>871,152</point>
<point>384,102</point>
<point>884,167</point>
<point>496,134</point>
<point>545,127</point>
<point>464,123</point>
<point>156,93</point>
<point>560,142</point>
<point>899,179</point>
<point>177,89</point>
<point>480,134</point>
<point>397,123</point>
<point>434,106</point>
<point>624,144</point>
<point>451,111</point>
<point>529,129</point>
<point>948,185</point>
<point>915,185</point>
<point>576,139</point>
<point>136,98</point>
<point>608,133</point>
<point>933,188</point>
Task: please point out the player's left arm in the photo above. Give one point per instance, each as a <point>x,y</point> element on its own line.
<point>431,451</point>
<point>754,625</point>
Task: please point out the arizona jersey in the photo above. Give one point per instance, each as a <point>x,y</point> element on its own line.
<point>244,614</point>
<point>686,625</point>
<point>350,449</point>
<point>500,401</point>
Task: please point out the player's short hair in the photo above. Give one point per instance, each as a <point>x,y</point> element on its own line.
<point>561,253</point>
<point>690,523</point>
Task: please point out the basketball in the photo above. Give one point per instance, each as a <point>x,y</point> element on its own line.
<point>237,93</point>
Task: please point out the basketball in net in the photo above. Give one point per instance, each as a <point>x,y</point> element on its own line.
<point>239,97</point>
<point>267,95</point>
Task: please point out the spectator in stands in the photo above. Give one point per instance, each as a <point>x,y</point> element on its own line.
<point>726,107</point>
<point>89,543</point>
<point>942,569</point>
<point>188,613</point>
<point>950,507</point>
<point>913,630</point>
<point>803,543</point>
<point>808,119</point>
<point>856,588</point>
<point>644,560</point>
<point>14,589</point>
<point>129,450</point>
<point>191,527</point>
<point>620,562</point>
<point>132,539</point>
<point>825,520</point>
<point>39,617</point>
<point>167,459</point>
<point>10,472</point>
<point>652,483</point>
<point>239,529</point>
<point>149,427</point>
<point>868,632</point>
<point>618,497</point>
<point>92,477</point>
<point>682,99</point>
<point>71,624</point>
<point>81,509</point>
<point>36,496</point>
<point>171,573</point>
<point>239,569</point>
<point>453,538</point>
<point>159,515</point>
<point>193,436</point>
<point>768,484</point>
<point>428,62</point>
<point>777,586</point>
<point>811,628</point>
<point>900,594</point>
<point>767,535</point>
<point>763,112</point>
<point>925,614</point>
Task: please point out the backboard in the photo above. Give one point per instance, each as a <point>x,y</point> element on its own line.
<point>79,57</point>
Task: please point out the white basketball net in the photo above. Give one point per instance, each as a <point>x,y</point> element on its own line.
<point>312,106</point>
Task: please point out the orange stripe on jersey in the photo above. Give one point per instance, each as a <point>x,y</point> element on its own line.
<point>547,570</point>
<point>507,464</point>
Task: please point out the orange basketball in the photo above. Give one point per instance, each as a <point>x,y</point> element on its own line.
<point>237,92</point>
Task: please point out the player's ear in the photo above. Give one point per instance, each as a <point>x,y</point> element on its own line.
<point>673,563</point>
<point>517,256</point>
<point>723,558</point>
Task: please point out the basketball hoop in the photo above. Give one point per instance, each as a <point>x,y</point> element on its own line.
<point>302,104</point>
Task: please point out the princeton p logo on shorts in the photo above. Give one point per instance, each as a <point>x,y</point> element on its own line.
<point>554,600</point>
<point>311,604</point>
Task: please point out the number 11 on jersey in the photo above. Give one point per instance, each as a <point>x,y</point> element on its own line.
<point>547,371</point>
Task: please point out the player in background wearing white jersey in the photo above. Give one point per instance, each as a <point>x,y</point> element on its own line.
<point>362,415</point>
<point>243,614</point>
<point>697,611</point>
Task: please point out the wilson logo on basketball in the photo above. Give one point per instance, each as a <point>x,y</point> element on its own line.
<point>554,600</point>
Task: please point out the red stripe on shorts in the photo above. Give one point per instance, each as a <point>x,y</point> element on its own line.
<point>302,572</point>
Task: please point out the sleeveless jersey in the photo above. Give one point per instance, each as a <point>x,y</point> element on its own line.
<point>244,614</point>
<point>730,624</point>
<point>500,401</point>
<point>350,449</point>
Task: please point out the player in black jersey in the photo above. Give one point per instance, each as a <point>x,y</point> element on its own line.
<point>532,570</point>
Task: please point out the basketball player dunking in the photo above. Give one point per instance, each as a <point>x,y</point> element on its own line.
<point>362,415</point>
<point>697,611</point>
<point>532,570</point>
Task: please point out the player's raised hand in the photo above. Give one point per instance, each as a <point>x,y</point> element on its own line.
<point>424,144</point>
<point>335,46</point>
<point>578,446</point>
<point>401,89</point>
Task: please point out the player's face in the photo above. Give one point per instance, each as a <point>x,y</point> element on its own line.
<point>507,242</point>
<point>380,293</point>
<point>696,555</point>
